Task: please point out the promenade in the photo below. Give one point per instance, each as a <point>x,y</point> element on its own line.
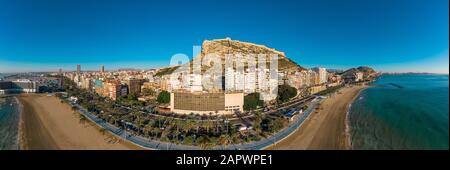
<point>158,145</point>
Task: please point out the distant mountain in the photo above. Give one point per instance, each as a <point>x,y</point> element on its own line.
<point>337,71</point>
<point>166,70</point>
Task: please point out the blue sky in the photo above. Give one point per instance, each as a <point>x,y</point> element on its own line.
<point>389,35</point>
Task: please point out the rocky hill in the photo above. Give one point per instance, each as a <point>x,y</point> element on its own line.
<point>221,47</point>
<point>368,72</point>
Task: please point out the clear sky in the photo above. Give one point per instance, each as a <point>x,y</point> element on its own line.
<point>389,35</point>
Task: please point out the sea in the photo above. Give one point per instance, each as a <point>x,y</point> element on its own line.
<point>402,112</point>
<point>9,123</point>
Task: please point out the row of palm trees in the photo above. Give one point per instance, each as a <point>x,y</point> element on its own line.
<point>206,134</point>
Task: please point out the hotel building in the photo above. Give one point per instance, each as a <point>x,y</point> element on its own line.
<point>322,73</point>
<point>206,103</point>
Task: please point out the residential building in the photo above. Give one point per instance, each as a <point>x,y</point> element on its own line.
<point>206,103</point>
<point>134,86</point>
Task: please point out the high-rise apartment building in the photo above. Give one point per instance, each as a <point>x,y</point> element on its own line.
<point>322,72</point>
<point>229,79</point>
<point>78,69</point>
<point>112,89</point>
<point>134,86</point>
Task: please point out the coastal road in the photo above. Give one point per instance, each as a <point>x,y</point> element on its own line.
<point>326,128</point>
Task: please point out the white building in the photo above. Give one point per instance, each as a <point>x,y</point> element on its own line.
<point>229,79</point>
<point>250,82</point>
<point>359,76</point>
<point>239,81</point>
<point>195,81</point>
<point>323,77</point>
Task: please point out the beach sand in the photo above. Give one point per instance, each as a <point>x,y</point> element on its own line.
<point>326,127</point>
<point>48,124</point>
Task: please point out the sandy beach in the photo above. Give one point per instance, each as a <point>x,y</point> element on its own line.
<point>46,123</point>
<point>326,127</point>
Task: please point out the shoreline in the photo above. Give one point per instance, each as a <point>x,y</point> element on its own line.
<point>348,129</point>
<point>11,122</point>
<point>46,123</point>
<point>20,136</point>
<point>327,127</point>
<point>33,134</point>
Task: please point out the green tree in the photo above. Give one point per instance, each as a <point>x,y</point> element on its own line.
<point>130,100</point>
<point>257,123</point>
<point>163,97</point>
<point>148,91</point>
<point>252,101</point>
<point>82,118</point>
<point>204,142</point>
<point>189,140</point>
<point>224,140</point>
<point>276,125</point>
<point>286,92</point>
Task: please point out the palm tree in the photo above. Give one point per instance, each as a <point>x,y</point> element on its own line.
<point>147,128</point>
<point>207,125</point>
<point>164,133</point>
<point>177,133</point>
<point>155,132</point>
<point>102,131</point>
<point>161,121</point>
<point>198,127</point>
<point>82,119</point>
<point>204,142</point>
<point>224,140</point>
<point>235,138</point>
<point>217,122</point>
<point>187,125</point>
<point>139,121</point>
<point>74,109</point>
<point>176,123</point>
<point>257,122</point>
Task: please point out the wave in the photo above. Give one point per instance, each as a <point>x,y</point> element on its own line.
<point>396,85</point>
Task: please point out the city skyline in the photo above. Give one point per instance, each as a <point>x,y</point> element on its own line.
<point>390,36</point>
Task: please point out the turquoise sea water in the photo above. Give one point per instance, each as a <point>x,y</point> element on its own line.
<point>406,111</point>
<point>9,119</point>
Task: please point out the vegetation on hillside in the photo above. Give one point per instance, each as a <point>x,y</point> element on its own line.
<point>166,71</point>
